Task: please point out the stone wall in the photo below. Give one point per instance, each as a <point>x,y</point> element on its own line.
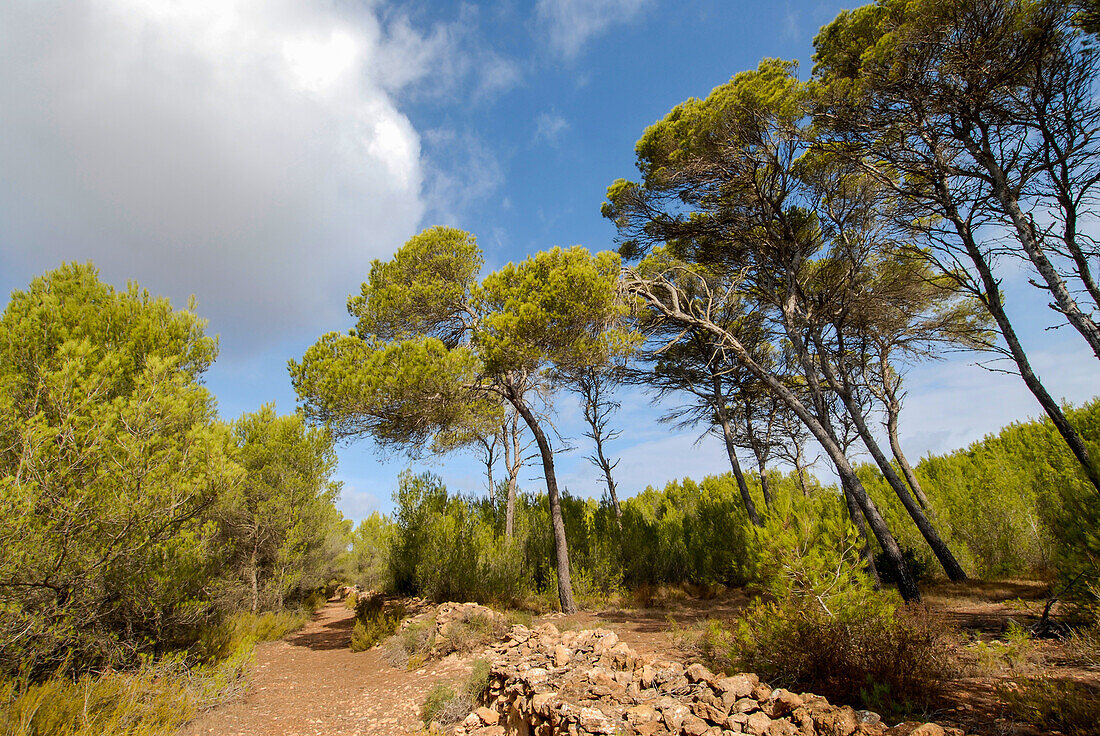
<point>546,682</point>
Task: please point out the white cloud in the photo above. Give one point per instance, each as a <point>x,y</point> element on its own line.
<point>549,126</point>
<point>569,24</point>
<point>250,152</point>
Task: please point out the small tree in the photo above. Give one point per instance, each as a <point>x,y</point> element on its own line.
<point>277,520</point>
<point>435,351</point>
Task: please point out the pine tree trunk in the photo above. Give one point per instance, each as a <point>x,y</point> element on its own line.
<point>254,575</point>
<point>731,451</point>
<point>991,297</point>
<point>557,523</point>
<point>606,466</point>
<point>903,462</point>
<point>943,553</point>
<point>861,527</point>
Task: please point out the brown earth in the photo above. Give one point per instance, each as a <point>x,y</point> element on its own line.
<point>311,683</point>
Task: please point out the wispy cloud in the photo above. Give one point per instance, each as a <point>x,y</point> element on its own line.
<point>570,24</point>
<point>549,126</point>
<point>462,171</point>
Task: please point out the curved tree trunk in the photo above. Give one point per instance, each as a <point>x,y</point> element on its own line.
<point>991,298</point>
<point>903,462</point>
<point>907,585</point>
<point>557,524</point>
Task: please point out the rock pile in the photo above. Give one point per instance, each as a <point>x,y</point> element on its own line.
<point>545,682</point>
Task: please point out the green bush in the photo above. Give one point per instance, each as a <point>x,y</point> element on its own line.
<point>372,628</point>
<point>445,706</point>
<point>476,686</point>
<point>821,626</point>
<point>154,699</point>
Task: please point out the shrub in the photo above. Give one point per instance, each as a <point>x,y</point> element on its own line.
<point>372,629</point>
<point>244,629</point>
<point>821,626</point>
<point>1015,651</point>
<point>444,706</point>
<point>470,632</point>
<point>154,699</point>
<point>1072,708</point>
<point>476,686</point>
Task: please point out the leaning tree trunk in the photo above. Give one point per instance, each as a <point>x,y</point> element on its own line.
<point>907,585</point>
<point>605,465</point>
<point>943,553</point>
<point>903,462</point>
<point>765,484</point>
<point>727,436</point>
<point>1028,237</point>
<point>991,297</point>
<point>557,523</point>
<point>861,527</point>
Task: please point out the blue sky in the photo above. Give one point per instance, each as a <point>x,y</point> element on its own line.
<point>259,154</point>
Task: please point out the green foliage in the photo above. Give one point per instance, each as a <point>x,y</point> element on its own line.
<point>424,290</point>
<point>110,456</point>
<point>367,562</point>
<point>154,699</point>
<point>1046,513</point>
<point>449,547</point>
<point>476,685</point>
<point>820,625</point>
<point>1015,651</point>
<point>133,523</point>
<point>276,524</point>
<point>554,308</point>
<point>372,628</point>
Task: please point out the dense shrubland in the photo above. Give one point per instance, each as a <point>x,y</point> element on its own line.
<point>451,546</point>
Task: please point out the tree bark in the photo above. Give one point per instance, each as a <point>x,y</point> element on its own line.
<point>254,574</point>
<point>510,508</point>
<point>557,524</point>
<point>990,294</point>
<point>606,466</point>
<point>861,527</point>
<point>903,462</point>
<point>1025,233</point>
<point>943,553</point>
<point>991,297</point>
<point>731,450</point>
<point>761,459</point>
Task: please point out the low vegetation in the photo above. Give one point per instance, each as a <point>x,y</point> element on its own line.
<point>153,699</point>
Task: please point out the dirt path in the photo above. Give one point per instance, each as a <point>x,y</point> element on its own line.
<point>311,683</point>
